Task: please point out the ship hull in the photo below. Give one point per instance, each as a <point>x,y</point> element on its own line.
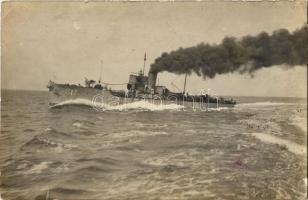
<point>60,93</point>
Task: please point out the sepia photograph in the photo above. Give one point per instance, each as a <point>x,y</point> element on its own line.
<point>153,100</point>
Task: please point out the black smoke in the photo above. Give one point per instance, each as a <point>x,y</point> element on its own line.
<point>244,55</point>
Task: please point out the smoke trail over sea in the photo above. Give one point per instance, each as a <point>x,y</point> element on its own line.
<point>244,55</point>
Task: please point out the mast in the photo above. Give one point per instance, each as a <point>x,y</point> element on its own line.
<point>100,74</point>
<point>145,58</point>
<point>185,83</point>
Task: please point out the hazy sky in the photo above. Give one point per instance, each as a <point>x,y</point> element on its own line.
<point>65,41</point>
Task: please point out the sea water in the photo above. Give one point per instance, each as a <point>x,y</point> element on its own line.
<point>256,150</point>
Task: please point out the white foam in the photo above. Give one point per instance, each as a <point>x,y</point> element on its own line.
<point>77,101</point>
<point>145,105</point>
<point>292,147</point>
<point>141,105</point>
<point>77,124</point>
<point>36,169</point>
<point>219,109</point>
<point>300,122</point>
<point>48,141</point>
<point>48,129</point>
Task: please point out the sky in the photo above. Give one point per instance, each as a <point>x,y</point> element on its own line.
<point>66,41</point>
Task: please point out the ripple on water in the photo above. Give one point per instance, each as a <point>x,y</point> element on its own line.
<point>137,133</point>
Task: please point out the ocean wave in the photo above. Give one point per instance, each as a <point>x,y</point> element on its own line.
<point>70,191</point>
<point>93,169</point>
<point>300,122</point>
<point>219,109</point>
<point>178,159</point>
<point>137,133</point>
<point>291,146</point>
<point>47,142</point>
<point>77,102</point>
<point>38,168</point>
<point>266,103</point>
<point>29,130</point>
<point>257,124</point>
<point>77,124</point>
<point>149,125</point>
<point>55,133</point>
<point>137,105</point>
<point>105,161</point>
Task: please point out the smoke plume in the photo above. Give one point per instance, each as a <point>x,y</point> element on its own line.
<point>244,55</point>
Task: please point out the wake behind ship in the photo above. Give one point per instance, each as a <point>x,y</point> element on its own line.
<point>139,88</point>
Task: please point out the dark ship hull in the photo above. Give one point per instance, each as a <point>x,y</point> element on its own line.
<point>98,95</point>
